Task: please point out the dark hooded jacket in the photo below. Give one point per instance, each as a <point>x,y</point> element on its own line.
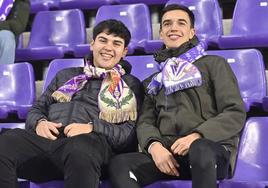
<point>214,109</point>
<point>83,108</point>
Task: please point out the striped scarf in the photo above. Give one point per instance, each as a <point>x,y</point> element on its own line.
<point>5,8</point>
<point>116,101</point>
<point>178,73</point>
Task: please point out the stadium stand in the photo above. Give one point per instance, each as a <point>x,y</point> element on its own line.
<point>142,66</point>
<point>59,64</point>
<point>208,22</point>
<point>83,4</point>
<point>53,35</point>
<point>17,89</point>
<point>247,30</point>
<point>151,2</point>
<point>248,67</point>
<point>135,16</point>
<point>42,5</point>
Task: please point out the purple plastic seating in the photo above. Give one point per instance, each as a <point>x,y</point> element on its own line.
<point>136,17</point>
<point>252,165</point>
<point>248,67</point>
<point>83,4</point>
<point>58,64</point>
<point>247,30</point>
<point>208,22</point>
<point>151,2</point>
<point>42,5</point>
<point>54,34</point>
<point>17,89</point>
<point>142,66</point>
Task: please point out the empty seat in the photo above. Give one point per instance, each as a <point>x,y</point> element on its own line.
<point>17,89</point>
<point>251,169</point>
<point>248,66</point>
<point>142,66</point>
<point>42,5</point>
<point>136,17</point>
<point>208,22</point>
<point>54,34</point>
<point>151,2</point>
<point>58,64</point>
<point>249,26</point>
<point>83,4</point>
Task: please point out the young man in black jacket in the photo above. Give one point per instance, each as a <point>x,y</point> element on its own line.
<point>191,116</point>
<point>13,21</point>
<point>85,116</point>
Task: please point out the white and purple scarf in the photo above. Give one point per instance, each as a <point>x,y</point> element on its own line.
<point>5,8</point>
<point>178,73</point>
<point>116,101</point>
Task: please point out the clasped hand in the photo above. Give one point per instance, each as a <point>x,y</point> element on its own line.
<point>164,159</point>
<point>50,130</point>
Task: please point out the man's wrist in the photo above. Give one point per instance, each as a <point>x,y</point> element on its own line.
<point>151,145</point>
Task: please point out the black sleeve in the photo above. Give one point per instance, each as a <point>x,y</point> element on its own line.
<point>40,108</point>
<point>18,17</point>
<point>122,136</point>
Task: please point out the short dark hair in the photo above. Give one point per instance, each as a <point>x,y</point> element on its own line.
<point>112,26</point>
<point>178,7</point>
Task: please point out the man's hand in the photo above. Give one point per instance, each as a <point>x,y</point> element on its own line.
<point>46,129</point>
<point>164,160</point>
<point>181,146</point>
<point>75,129</point>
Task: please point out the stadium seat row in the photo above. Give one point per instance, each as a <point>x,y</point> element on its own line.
<point>54,34</point>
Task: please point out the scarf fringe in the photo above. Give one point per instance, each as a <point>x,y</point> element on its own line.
<point>118,116</point>
<point>61,97</point>
<point>181,86</point>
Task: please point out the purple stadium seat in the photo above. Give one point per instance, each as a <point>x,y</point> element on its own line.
<point>142,66</point>
<point>247,30</point>
<point>136,17</point>
<point>58,64</point>
<point>54,34</point>
<point>17,89</point>
<point>83,4</point>
<point>42,5</point>
<point>252,165</point>
<point>151,2</point>
<point>249,69</point>
<point>60,184</point>
<point>208,22</point>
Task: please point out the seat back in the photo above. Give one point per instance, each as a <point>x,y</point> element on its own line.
<point>63,28</point>
<point>142,66</point>
<point>208,19</point>
<point>83,4</point>
<point>136,17</point>
<point>252,163</point>
<point>243,20</point>
<point>248,66</point>
<point>42,5</point>
<point>58,64</point>
<point>17,89</point>
<point>151,2</point>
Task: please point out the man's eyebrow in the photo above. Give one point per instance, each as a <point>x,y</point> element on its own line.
<point>101,37</point>
<point>118,41</point>
<point>180,20</point>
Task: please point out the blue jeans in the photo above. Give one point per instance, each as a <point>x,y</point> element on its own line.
<point>7,47</point>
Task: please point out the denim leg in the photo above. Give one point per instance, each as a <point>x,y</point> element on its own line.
<point>7,47</point>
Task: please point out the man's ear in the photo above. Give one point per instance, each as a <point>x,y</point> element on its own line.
<point>160,34</point>
<point>125,51</point>
<point>192,33</point>
<point>91,44</point>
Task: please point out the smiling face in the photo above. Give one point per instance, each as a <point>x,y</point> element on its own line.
<point>176,28</point>
<point>107,49</point>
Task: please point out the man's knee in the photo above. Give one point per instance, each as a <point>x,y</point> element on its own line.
<point>7,40</point>
<point>201,154</point>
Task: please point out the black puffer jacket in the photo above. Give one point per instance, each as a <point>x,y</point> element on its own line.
<point>83,108</point>
<point>18,17</point>
<point>215,109</point>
